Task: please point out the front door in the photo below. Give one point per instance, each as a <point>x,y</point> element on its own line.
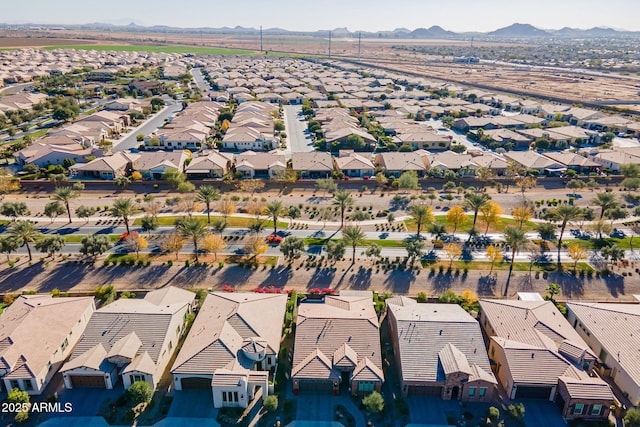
<point>455,392</point>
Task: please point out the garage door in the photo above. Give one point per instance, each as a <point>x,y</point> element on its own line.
<point>191,383</point>
<point>310,385</point>
<point>533,392</point>
<point>88,381</point>
<point>421,390</point>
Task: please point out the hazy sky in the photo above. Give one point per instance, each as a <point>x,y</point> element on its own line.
<point>311,15</point>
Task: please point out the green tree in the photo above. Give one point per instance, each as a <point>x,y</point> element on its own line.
<point>475,202</point>
<point>24,232</point>
<point>50,244</point>
<point>564,214</point>
<point>342,200</point>
<point>605,201</point>
<point>546,230</point>
<point>124,209</point>
<point>553,289</point>
<point>414,249</point>
<point>270,403</point>
<point>174,177</point>
<point>18,396</point>
<point>14,209</point>
<point>8,245</point>
<point>191,228</point>
<point>326,184</point>
<point>140,391</point>
<point>122,182</point>
<point>207,194</point>
<point>612,253</point>
<point>632,417</point>
<point>630,170</point>
<point>335,250</point>
<point>408,181</point>
<point>422,215</point>
<point>95,244</point>
<point>354,237</point>
<point>292,247</point>
<point>373,251</point>
<point>85,212</point>
<point>373,403</point>
<point>293,212</point>
<point>516,240</point>
<point>64,195</point>
<point>53,209</point>
<point>275,210</point>
<point>149,223</point>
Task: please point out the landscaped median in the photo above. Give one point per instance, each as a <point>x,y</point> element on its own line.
<point>232,221</point>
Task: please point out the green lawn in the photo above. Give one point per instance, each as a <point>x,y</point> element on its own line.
<point>502,266</point>
<point>232,221</point>
<point>466,226</point>
<point>2,307</point>
<point>608,241</point>
<point>316,241</point>
<point>159,49</point>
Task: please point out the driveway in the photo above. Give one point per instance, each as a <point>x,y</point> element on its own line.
<point>315,407</point>
<point>192,404</point>
<point>542,413</point>
<point>86,401</point>
<point>131,141</point>
<point>298,141</point>
<point>431,409</point>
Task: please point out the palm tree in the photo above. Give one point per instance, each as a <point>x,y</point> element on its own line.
<point>191,228</point>
<point>342,200</point>
<point>606,201</point>
<point>64,195</point>
<point>422,215</point>
<point>353,236</point>
<point>124,209</point>
<point>564,214</point>
<point>24,232</point>
<point>275,211</point>
<point>207,195</point>
<point>516,239</point>
<point>475,202</point>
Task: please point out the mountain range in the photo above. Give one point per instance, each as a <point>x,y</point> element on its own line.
<point>514,31</point>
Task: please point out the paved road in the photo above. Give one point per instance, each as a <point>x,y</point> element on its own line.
<point>298,141</point>
<point>202,84</point>
<point>130,141</point>
<point>15,88</point>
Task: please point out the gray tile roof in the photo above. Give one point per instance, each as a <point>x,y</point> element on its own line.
<point>587,388</point>
<point>434,339</point>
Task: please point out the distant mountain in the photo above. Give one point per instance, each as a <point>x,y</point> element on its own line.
<point>591,32</point>
<point>519,30</point>
<point>430,33</point>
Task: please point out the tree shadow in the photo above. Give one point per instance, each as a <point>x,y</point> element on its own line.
<point>277,277</point>
<point>442,282</point>
<point>399,281</point>
<point>615,284</point>
<point>571,285</point>
<point>358,280</point>
<point>487,285</point>
<point>322,278</point>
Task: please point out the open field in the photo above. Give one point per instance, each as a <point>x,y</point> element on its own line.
<point>26,42</point>
<point>157,49</point>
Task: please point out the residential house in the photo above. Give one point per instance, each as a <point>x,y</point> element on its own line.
<point>153,164</point>
<point>110,167</point>
<point>449,160</point>
<point>527,335</point>
<point>611,330</point>
<point>396,163</point>
<point>213,164</point>
<point>312,165</point>
<point>439,351</point>
<point>419,138</point>
<point>232,348</point>
<point>355,165</point>
<point>337,345</point>
<point>574,161</point>
<point>534,161</point>
<point>509,139</point>
<point>53,150</point>
<point>613,159</point>
<point>129,338</point>
<point>261,165</point>
<point>37,334</point>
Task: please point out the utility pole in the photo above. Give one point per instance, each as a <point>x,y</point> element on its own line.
<point>330,44</point>
<point>261,49</point>
<point>359,43</point>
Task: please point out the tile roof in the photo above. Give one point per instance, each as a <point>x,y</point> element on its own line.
<point>323,327</point>
<point>35,326</point>
<point>434,339</point>
<point>225,324</point>
<point>587,388</point>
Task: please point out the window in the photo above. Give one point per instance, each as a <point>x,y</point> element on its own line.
<point>578,408</point>
<point>48,365</point>
<point>28,385</point>
<point>596,410</point>
<point>135,378</point>
<point>170,345</point>
<point>472,391</point>
<point>366,386</point>
<point>15,384</point>
<point>65,344</point>
<point>483,391</point>
<point>230,396</point>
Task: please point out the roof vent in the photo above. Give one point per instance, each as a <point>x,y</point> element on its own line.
<point>533,355</point>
